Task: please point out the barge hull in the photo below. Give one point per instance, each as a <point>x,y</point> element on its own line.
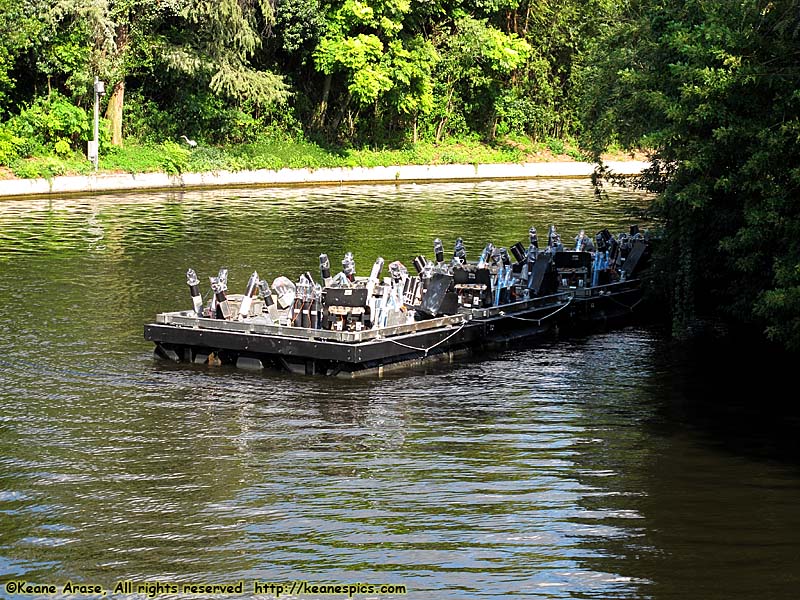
<point>184,339</point>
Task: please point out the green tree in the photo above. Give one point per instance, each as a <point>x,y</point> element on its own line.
<point>379,65</point>
<point>81,39</point>
<point>477,63</point>
<point>712,89</point>
<point>560,33</point>
<point>18,27</point>
<point>209,43</point>
<point>219,39</point>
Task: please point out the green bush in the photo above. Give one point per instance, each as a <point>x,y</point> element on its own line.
<point>133,157</point>
<point>515,113</point>
<point>47,167</point>
<point>175,158</point>
<point>144,120</point>
<point>34,168</point>
<point>51,120</point>
<point>206,118</point>
<point>10,145</point>
<point>62,147</point>
<point>557,146</point>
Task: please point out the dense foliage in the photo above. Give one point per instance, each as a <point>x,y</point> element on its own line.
<point>353,72</point>
<point>714,89</point>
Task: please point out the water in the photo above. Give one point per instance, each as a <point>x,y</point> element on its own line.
<point>611,465</point>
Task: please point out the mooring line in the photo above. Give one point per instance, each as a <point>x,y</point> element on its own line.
<point>426,350</point>
<point>540,319</point>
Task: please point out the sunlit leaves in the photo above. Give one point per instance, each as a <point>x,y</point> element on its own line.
<point>363,45</point>
<point>354,53</point>
<point>225,37</point>
<point>17,28</point>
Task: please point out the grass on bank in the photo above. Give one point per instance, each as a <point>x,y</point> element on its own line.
<point>175,157</point>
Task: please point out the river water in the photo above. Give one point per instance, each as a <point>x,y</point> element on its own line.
<point>612,465</point>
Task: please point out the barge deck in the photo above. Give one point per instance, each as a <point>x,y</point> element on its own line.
<point>366,326</point>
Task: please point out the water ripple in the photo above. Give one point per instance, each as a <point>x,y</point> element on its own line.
<point>533,472</point>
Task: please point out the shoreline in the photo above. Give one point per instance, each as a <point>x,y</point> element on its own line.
<point>125,182</point>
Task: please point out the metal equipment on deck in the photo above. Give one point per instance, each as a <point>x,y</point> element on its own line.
<point>365,325</point>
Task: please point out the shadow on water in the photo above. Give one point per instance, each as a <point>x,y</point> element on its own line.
<point>736,392</point>
<point>710,474</point>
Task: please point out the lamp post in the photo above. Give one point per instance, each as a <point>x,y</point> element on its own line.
<point>94,145</point>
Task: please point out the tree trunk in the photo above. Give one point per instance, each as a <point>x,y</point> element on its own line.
<point>527,20</point>
<point>117,98</point>
<point>440,129</point>
<point>319,117</point>
<point>334,126</point>
<point>446,116</point>
<point>114,112</point>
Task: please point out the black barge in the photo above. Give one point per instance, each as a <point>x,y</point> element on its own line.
<point>348,326</point>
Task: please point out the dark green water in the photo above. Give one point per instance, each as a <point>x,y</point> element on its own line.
<point>610,465</point>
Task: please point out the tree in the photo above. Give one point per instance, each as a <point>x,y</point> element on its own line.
<point>18,27</point>
<point>210,42</point>
<point>477,63</point>
<point>711,89</point>
<point>380,66</point>
<point>110,39</point>
<point>223,36</point>
<point>124,33</point>
<point>560,33</point>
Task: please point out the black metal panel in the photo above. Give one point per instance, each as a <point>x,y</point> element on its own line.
<point>573,259</point>
<point>346,296</point>
<point>518,250</point>
<point>619,302</point>
<point>536,280</point>
<point>500,328</point>
<point>439,297</point>
<point>469,274</point>
<point>417,345</point>
<point>250,343</point>
<point>634,258</point>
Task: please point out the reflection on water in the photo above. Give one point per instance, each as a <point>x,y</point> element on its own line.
<point>572,469</point>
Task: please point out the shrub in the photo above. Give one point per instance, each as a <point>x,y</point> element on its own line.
<point>62,147</point>
<point>51,120</point>
<point>33,168</point>
<point>175,158</point>
<point>557,146</point>
<point>10,145</point>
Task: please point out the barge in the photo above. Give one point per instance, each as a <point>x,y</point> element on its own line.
<point>346,326</point>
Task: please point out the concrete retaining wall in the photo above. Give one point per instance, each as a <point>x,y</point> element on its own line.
<point>344,175</point>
